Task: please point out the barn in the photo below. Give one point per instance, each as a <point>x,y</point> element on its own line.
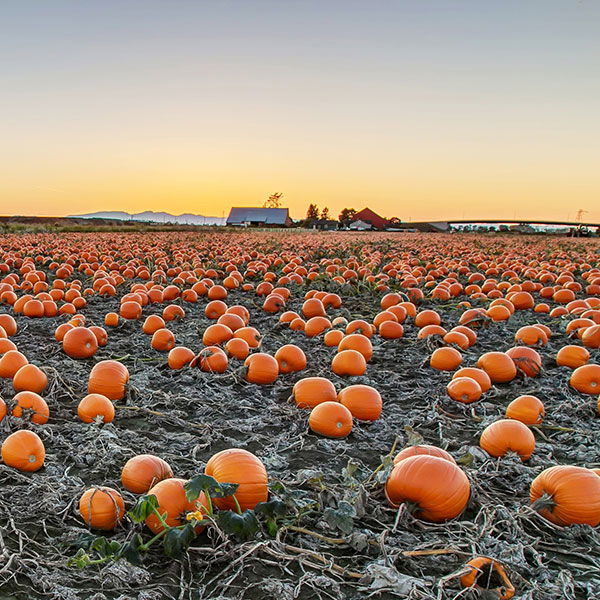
<point>257,217</point>
<point>372,218</point>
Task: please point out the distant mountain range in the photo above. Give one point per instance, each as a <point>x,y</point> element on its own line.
<point>154,217</point>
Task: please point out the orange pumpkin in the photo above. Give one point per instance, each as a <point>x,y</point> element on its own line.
<point>173,504</point>
<point>572,356</point>
<point>211,359</point>
<point>143,471</point>
<point>567,495</point>
<point>291,358</point>
<point>498,365</point>
<point>445,359</point>
<point>11,362</point>
<point>237,348</point>
<point>23,450</point>
<point>310,391</point>
<point>363,401</point>
<point>330,419</point>
<point>526,359</point>
<point>179,357</point>
<point>109,378</point>
<point>527,409</point>
<point>80,342</point>
<point>102,508</point>
<point>349,363</point>
<point>437,487</point>
<point>479,375</point>
<point>464,389</point>
<point>261,368</point>
<point>30,378</point>
<point>216,334</point>
<point>585,379</point>
<point>32,405</point>
<point>423,449</point>
<point>163,340</point>
<point>360,343</point>
<point>507,435</point>
<point>93,406</point>
<point>244,468</point>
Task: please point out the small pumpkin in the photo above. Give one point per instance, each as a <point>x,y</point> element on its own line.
<point>179,357</point>
<point>291,358</point>
<point>261,368</point>
<point>23,450</point>
<point>464,389</point>
<point>585,379</point>
<point>507,435</point>
<point>31,404</point>
<point>143,471</point>
<point>498,365</point>
<point>481,571</point>
<point>30,378</point>
<point>436,488</point>
<point>102,508</point>
<point>173,504</point>
<point>526,359</point>
<point>423,449</point>
<point>211,359</point>
<point>109,378</point>
<point>445,359</point>
<point>11,362</point>
<point>93,406</point>
<point>363,401</point>
<point>360,343</point>
<point>331,419</point>
<point>572,356</point>
<point>479,375</point>
<point>163,340</point>
<point>527,409</point>
<point>349,363</point>
<point>80,342</point>
<point>310,391</point>
<point>236,465</point>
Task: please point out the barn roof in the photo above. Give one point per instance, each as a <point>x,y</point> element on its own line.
<point>269,216</point>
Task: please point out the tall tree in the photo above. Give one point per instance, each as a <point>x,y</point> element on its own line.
<point>273,201</point>
<point>312,214</point>
<point>325,213</point>
<point>347,216</point>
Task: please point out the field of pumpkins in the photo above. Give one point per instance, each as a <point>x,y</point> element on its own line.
<point>299,415</point>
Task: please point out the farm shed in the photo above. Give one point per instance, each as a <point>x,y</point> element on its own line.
<point>247,216</point>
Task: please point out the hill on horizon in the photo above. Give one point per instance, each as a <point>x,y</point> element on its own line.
<point>154,217</point>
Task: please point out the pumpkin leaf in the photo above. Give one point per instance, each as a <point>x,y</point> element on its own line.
<point>243,527</point>
<point>104,547</point>
<point>210,486</point>
<point>130,550</point>
<point>341,517</point>
<point>178,539</point>
<point>83,541</point>
<point>273,509</point>
<point>80,560</point>
<point>143,508</point>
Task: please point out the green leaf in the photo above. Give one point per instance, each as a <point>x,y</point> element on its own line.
<point>104,547</point>
<point>80,560</point>
<point>130,550</point>
<point>341,517</point>
<point>243,527</point>
<point>273,509</point>
<point>178,539</point>
<point>143,508</point>
<point>83,541</point>
<point>210,486</point>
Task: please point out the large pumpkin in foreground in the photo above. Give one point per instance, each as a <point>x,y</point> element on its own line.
<point>242,467</point>
<point>437,487</point>
<point>567,495</point>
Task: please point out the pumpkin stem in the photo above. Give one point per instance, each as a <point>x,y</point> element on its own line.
<point>544,502</point>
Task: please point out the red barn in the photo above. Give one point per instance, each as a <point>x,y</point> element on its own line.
<point>368,216</point>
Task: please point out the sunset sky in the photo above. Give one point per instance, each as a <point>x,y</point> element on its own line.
<point>421,109</point>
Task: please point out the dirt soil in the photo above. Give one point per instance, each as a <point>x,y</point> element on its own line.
<point>186,416</point>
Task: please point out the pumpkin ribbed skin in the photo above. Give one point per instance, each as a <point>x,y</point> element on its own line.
<point>179,357</point>
<point>30,378</point>
<point>507,435</point>
<point>360,343</point>
<point>526,359</point>
<point>331,419</point>
<point>586,379</point>
<point>11,362</point>
<point>464,389</point>
<point>173,504</point>
<point>479,375</point>
<point>102,508</point>
<point>23,450</point>
<point>439,488</point>
<point>527,409</point>
<point>144,471</point>
<point>423,449</point>
<point>310,391</point>
<point>80,342</point>
<point>261,368</point>
<point>445,359</point>
<point>572,356</point>
<point>363,401</point>
<point>574,492</point>
<point>498,365</point>
<point>109,378</point>
<point>34,404</point>
<point>290,358</point>
<point>93,406</point>
<point>244,468</point>
<point>349,362</point>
